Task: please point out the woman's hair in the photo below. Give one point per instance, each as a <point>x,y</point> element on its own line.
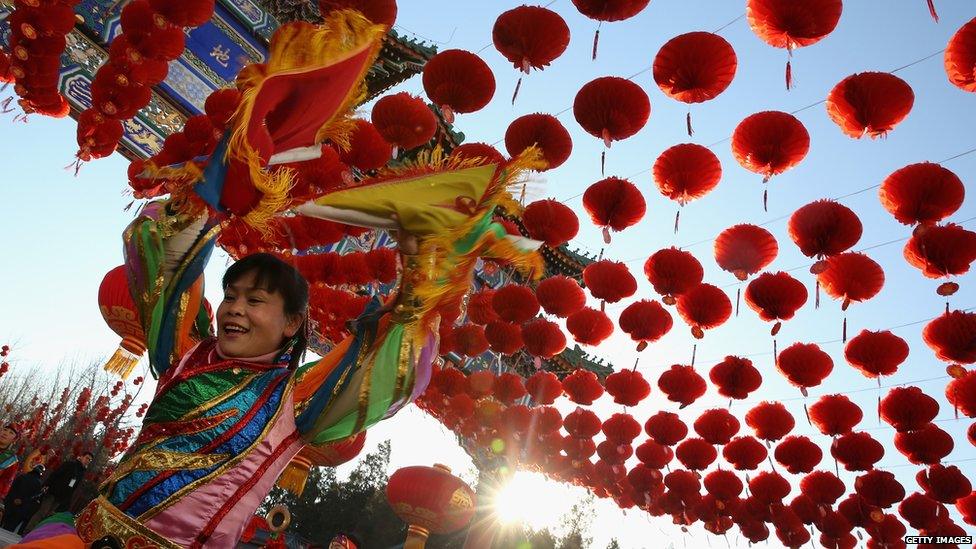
<point>274,275</point>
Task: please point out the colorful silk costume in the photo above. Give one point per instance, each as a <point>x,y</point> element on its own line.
<point>8,469</point>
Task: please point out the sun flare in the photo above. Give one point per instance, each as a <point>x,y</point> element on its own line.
<point>533,499</point>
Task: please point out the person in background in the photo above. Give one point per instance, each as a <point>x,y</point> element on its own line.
<point>8,457</point>
<point>344,540</point>
<point>20,501</point>
<point>59,487</point>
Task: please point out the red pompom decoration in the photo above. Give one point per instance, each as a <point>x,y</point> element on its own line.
<point>686,172</point>
<point>611,108</point>
<point>823,487</point>
<point>589,326</point>
<point>508,388</point>
<point>879,488</point>
<point>627,387</point>
<point>804,364</point>
<point>654,455</point>
<point>695,453</point>
<point>744,453</point>
<point>775,296</point>
<point>704,307</point>
<point>695,66</point>
<point>543,131</point>
<point>769,487</point>
<point>824,228</point>
<point>673,272</point>
<point>945,484</point>
<point>582,423</point>
<point>908,408</point>
<point>560,296</point>
<point>368,150</point>
<point>621,428</point>
<point>869,103</point>
<point>744,250</point>
<point>722,484</point>
<point>770,420</point>
<point>458,81</point>
<point>666,428</point>
<point>681,384</point>
<point>941,250</point>
<point>609,281</point>
<point>876,353</point>
<point>857,451</point>
<point>470,340</point>
<point>504,337</point>
<point>835,415</point>
<point>543,338</point>
<point>614,203</point>
<point>582,387</point>
<point>769,143</point>
<point>922,193</point>
<point>185,13</point>
<point>645,321</point>
<point>735,377</point>
<point>551,222</point>
<point>486,153</point>
<point>530,36</point>
<point>404,120</point>
<point>798,454</point>
<point>544,387</point>
<point>960,57</point>
<point>515,303</point>
<point>717,426</point>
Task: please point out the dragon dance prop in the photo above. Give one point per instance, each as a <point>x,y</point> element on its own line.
<point>219,431</point>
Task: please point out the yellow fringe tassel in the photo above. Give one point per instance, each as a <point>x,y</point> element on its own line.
<point>295,475</point>
<point>122,363</point>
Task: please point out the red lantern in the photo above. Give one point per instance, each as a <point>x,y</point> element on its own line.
<point>857,451</point>
<point>823,487</point>
<point>530,37</point>
<point>480,307</point>
<point>942,251</point>
<point>368,150</point>
<point>550,221</point>
<point>645,321</point>
<point>775,296</point>
<point>627,387</point>
<point>381,12</point>
<point>769,487</point>
<point>735,377</point>
<point>769,143</point>
<point>560,296</point>
<point>952,336</point>
<point>876,353</point>
<point>770,420</point>
<point>614,203</point>
<point>879,488</point>
<point>789,25</point>
<point>582,387</point>
<point>744,453</point>
<point>609,10</point>
<point>744,250</point>
<point>508,388</point>
<point>945,484</point>
<point>961,393</point>
<point>851,276</point>
<point>798,454</point>
<point>589,326</point>
<point>430,500</point>
<point>960,57</point>
<point>582,424</point>
<point>870,103</point>
<point>504,337</point>
<point>544,387</point>
<point>686,172</point>
<point>122,316</point>
<point>673,272</point>
<point>486,154</point>
<point>609,281</point>
<point>824,228</point>
<point>515,303</point>
<point>921,512</point>
<point>724,485</point>
<point>804,365</point>
<point>666,428</point>
<point>470,340</point>
<point>695,67</point>
<point>681,384</point>
<point>717,426</point>
<point>704,307</point>
<point>458,81</point>
<point>695,453</point>
<point>654,455</point>
<point>967,507</point>
<point>922,193</point>
<point>908,408</point>
<point>611,108</point>
<point>543,339</point>
<point>835,415</point>
<point>544,131</point>
<point>621,428</point>
<point>404,120</point>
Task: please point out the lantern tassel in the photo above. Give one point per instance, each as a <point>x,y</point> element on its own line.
<point>295,475</point>
<point>775,353</point>
<point>596,40</point>
<point>688,123</point>
<point>807,412</point>
<point>603,161</point>
<point>606,235</point>
<point>932,11</point>
<point>518,85</point>
<point>789,75</point>
<point>694,351</point>
<point>816,301</point>
<point>844,331</point>
<point>879,399</point>
<point>765,199</point>
<point>122,363</point>
<point>677,217</point>
<point>738,298</point>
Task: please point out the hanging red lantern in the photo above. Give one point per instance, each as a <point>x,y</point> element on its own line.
<point>560,296</point>
<point>582,387</point>
<point>704,307</point>
<point>824,228</point>
<point>941,251</point>
<point>961,393</point>
<point>543,339</point>
<point>879,488</point>
<point>770,420</point>
<point>609,281</point>
<point>857,451</point>
<point>775,297</point>
<point>544,131</point>
<point>717,426</point>
<point>480,384</point>
<point>804,365</point>
<point>851,277</point>
<point>769,143</point>
<point>745,249</point>
<point>744,453</point>
<point>908,408</point>
<point>960,57</point>
<point>922,193</point>
<point>645,321</point>
<point>483,152</point>
<point>769,487</point>
<point>504,337</point>
<point>381,12</point>
<point>614,203</point>
<point>404,120</point>
<point>609,11</point>
<point>653,454</point>
<point>722,484</point>
<point>673,272</point>
<point>551,222</point>
<point>967,508</point>
<point>823,487</point>
<point>920,511</point>
<point>368,150</point>
<point>508,388</point>
<point>469,340</point>
<point>681,384</point>
<point>458,81</point>
<point>589,326</point>
<point>876,353</point>
<point>869,103</point>
<point>544,387</point>
<point>582,424</point>
<point>666,428</point>
<point>621,428</point>
<point>695,454</point>
<point>430,500</point>
<point>686,172</point>
<point>515,303</point>
<point>627,387</point>
<point>788,25</point>
<point>530,37</point>
<point>480,307</point>
<point>735,377</point>
<point>952,336</point>
<point>944,484</point>
<point>694,67</point>
<point>611,108</point>
<point>798,454</point>
<point>122,316</point>
<point>835,415</point>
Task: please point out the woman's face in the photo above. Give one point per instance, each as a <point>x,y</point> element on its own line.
<point>251,321</point>
<point>7,437</point>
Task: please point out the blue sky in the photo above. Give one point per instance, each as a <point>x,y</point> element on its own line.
<point>61,232</point>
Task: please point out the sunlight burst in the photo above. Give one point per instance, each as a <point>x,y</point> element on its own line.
<point>534,500</point>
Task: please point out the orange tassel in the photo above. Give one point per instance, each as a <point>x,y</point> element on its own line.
<point>518,85</point>
<point>596,42</point>
<point>688,123</point>
<point>789,75</point>
<point>932,11</point>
